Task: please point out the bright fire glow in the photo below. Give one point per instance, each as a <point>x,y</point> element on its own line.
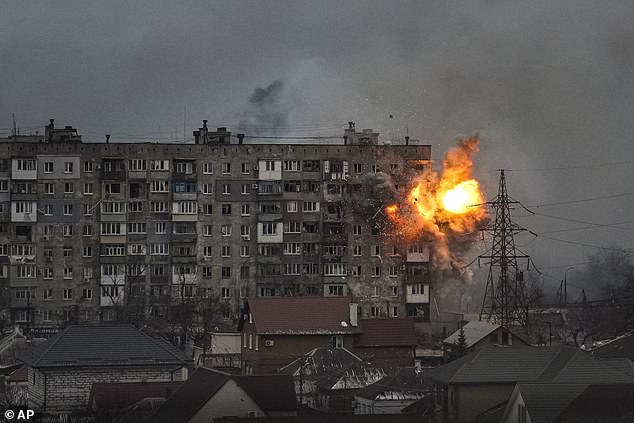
<point>459,199</point>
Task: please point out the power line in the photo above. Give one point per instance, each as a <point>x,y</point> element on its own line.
<point>598,225</point>
<point>624,194</point>
<point>584,166</point>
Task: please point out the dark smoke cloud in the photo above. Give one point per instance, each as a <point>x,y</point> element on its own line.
<point>267,111</point>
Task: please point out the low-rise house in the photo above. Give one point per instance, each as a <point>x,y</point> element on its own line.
<point>110,401</point>
<point>570,403</point>
<point>619,347</point>
<point>210,394</point>
<point>276,328</point>
<point>399,389</point>
<point>485,379</point>
<point>62,370</point>
<point>387,342</point>
<point>479,335</point>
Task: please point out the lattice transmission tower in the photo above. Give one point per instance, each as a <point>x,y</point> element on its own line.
<point>504,297</point>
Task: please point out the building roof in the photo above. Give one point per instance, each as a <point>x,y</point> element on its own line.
<point>545,401</point>
<point>111,397</point>
<point>309,315</point>
<point>21,374</point>
<point>601,403</point>
<point>474,331</point>
<point>531,364</point>
<point>103,345</point>
<point>620,347</point>
<point>400,384</point>
<point>387,333</point>
<point>322,360</point>
<point>185,402</point>
<point>270,392</point>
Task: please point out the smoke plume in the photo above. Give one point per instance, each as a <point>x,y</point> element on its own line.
<point>267,111</point>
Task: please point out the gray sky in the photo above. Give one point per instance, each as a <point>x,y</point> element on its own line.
<point>549,83</point>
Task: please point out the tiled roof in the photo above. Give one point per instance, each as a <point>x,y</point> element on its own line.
<point>531,364</point>
<point>321,360</point>
<point>601,403</point>
<point>103,345</point>
<point>474,331</point>
<point>399,383</point>
<point>302,315</point>
<point>185,402</point>
<point>110,397</point>
<point>622,347</point>
<point>272,393</point>
<point>545,401</point>
<point>21,374</point>
<point>387,333</point>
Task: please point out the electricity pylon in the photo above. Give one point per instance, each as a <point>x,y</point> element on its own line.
<point>504,297</point>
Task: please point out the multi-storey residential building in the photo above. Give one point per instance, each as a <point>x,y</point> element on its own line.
<point>87,229</point>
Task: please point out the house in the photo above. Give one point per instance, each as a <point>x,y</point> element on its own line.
<point>15,387</point>
<point>114,400</point>
<point>480,381</point>
<point>570,403</point>
<point>62,370</point>
<point>619,347</point>
<point>209,394</point>
<point>387,342</point>
<point>276,328</point>
<point>400,388</point>
<point>480,334</point>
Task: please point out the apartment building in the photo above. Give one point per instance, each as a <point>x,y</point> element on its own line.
<point>88,229</point>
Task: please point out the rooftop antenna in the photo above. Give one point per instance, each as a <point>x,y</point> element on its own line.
<point>15,130</point>
<point>184,121</point>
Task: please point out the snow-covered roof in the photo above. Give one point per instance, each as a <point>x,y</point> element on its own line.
<point>474,331</point>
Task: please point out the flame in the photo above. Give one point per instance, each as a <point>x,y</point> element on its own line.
<point>442,206</point>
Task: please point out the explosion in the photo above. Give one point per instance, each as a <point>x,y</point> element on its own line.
<point>444,208</point>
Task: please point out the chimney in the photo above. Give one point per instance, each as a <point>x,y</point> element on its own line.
<point>345,140</point>
<point>196,137</point>
<point>240,138</point>
<point>205,123</point>
<point>354,310</point>
<point>406,140</point>
<point>52,125</point>
<point>107,138</point>
<point>351,126</point>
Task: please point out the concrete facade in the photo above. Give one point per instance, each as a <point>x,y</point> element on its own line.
<point>86,229</point>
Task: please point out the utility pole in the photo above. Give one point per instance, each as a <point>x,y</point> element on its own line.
<point>504,297</point>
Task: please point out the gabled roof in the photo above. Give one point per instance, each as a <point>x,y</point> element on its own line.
<point>111,397</point>
<point>103,345</point>
<point>399,384</point>
<point>21,374</point>
<point>387,333</point>
<point>474,331</point>
<point>545,401</point>
<point>620,347</point>
<point>185,402</point>
<point>271,393</point>
<point>321,360</point>
<point>531,364</point>
<point>601,403</point>
<point>309,315</point>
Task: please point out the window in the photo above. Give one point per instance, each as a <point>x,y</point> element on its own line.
<point>159,186</point>
<point>375,250</point>
<point>269,165</point>
<point>225,230</point>
<point>245,232</point>
<point>245,250</point>
<point>335,290</point>
<point>357,168</point>
<point>245,168</point>
<point>87,230</point>
<point>136,206</point>
<point>292,165</point>
<point>48,210</point>
<point>393,271</point>
<point>226,272</point>
<point>68,272</point>
<point>208,168</point>
<point>292,248</point>
<point>375,168</point>
<point>184,167</point>
<point>226,251</point>
<point>335,269</point>
<point>208,189</point>
<point>185,207</point>
<point>68,209</point>
<point>87,294</point>
<point>245,210</point>
<point>136,249</point>
<point>88,166</point>
<point>113,207</point>
<point>27,164</point>
<point>23,207</point>
<point>67,251</point>
<point>356,270</point>
<point>207,249</point>
<point>159,207</point>
<point>88,189</point>
<point>356,230</point>
<point>291,206</point>
<point>226,209</point>
<point>245,189</point>
<point>292,227</point>
<point>87,273</point>
<point>49,188</point>
<point>225,292</point>
<point>137,165</point>
<point>112,188</point>
<point>48,167</point>
<point>160,165</point>
<point>207,272</point>
<point>67,230</point>
<point>337,341</point>
<point>311,206</point>
<point>376,271</point>
<point>269,228</point>
<point>292,268</point>
<point>137,228</point>
<point>356,250</point>
<point>69,188</point>
<point>47,273</point>
<point>47,293</point>
<point>375,311</point>
<point>226,189</point>
<point>394,291</point>
<point>68,167</point>
<point>159,249</point>
<point>207,230</point>
<point>226,168</point>
<point>68,294</point>
<point>160,227</point>
<point>111,228</point>
<point>417,289</point>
